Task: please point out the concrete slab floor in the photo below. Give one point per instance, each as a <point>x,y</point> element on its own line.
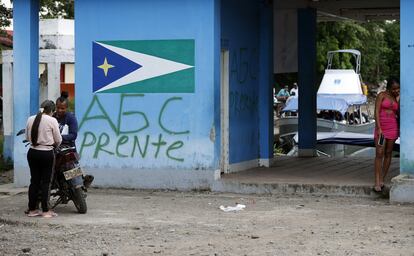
<point>332,171</point>
<point>348,175</point>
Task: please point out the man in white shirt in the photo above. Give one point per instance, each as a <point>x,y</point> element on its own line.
<point>294,91</point>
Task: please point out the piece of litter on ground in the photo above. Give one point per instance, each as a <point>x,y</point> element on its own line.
<point>238,207</point>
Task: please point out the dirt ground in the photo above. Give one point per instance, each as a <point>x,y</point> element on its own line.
<point>6,177</point>
<point>131,222</point>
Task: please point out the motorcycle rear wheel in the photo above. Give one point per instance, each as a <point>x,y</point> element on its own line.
<point>79,200</point>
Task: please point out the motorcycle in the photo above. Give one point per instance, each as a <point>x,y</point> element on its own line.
<point>68,183</point>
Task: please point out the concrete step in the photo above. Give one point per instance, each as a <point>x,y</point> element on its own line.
<point>10,190</point>
<point>234,186</point>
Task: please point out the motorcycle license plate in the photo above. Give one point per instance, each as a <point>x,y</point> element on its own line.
<point>72,173</point>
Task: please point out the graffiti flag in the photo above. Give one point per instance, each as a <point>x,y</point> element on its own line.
<point>150,66</point>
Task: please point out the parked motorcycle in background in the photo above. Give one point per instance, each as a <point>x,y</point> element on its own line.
<point>68,182</point>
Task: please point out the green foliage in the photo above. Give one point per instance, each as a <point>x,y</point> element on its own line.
<point>5,16</point>
<point>378,42</point>
<point>57,8</point>
<point>392,32</point>
<point>374,67</point>
<point>277,150</point>
<point>335,36</point>
<point>5,164</point>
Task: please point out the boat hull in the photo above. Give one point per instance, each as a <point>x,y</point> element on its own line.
<point>288,126</point>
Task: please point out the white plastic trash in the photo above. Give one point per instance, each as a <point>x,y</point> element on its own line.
<point>236,208</point>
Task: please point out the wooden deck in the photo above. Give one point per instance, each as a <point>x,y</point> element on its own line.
<point>319,170</point>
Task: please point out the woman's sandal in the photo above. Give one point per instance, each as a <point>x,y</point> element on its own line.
<point>376,190</point>
<point>34,213</point>
<point>49,214</point>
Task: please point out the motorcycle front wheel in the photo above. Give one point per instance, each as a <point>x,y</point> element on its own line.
<point>79,200</point>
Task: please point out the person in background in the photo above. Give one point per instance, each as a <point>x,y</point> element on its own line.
<point>294,92</point>
<point>283,94</point>
<point>282,97</point>
<point>42,131</point>
<point>68,125</point>
<point>386,130</point>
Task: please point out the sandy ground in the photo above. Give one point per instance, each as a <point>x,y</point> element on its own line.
<point>6,177</point>
<point>130,222</point>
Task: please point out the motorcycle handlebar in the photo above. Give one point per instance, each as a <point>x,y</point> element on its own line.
<point>65,149</point>
<point>22,131</point>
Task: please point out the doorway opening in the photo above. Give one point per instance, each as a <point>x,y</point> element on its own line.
<point>224,111</point>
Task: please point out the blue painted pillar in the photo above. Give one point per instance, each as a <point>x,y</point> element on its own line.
<point>407,81</point>
<point>265,83</point>
<point>25,77</point>
<point>217,85</point>
<point>307,79</point>
<point>402,188</point>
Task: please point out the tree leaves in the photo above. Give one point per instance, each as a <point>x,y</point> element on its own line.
<point>5,16</point>
<point>378,42</point>
<point>57,9</point>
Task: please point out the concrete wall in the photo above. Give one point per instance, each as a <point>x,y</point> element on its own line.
<point>240,35</point>
<point>156,140</point>
<point>57,34</point>
<point>407,92</point>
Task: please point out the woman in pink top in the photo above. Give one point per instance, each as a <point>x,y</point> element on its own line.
<point>386,130</point>
<point>42,131</point>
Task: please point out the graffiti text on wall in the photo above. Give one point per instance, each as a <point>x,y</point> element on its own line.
<point>240,102</point>
<point>241,65</point>
<point>243,68</point>
<point>132,142</point>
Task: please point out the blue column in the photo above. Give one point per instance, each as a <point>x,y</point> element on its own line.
<point>265,83</point>
<point>407,91</point>
<point>307,79</point>
<point>25,76</point>
<point>217,85</point>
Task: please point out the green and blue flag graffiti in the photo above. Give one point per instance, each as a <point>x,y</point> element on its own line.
<point>149,66</point>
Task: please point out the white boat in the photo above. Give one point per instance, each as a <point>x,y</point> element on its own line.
<point>340,94</point>
<point>361,141</point>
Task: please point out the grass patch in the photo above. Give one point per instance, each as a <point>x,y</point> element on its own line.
<point>5,164</point>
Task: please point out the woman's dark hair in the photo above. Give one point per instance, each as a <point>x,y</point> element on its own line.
<point>63,98</point>
<point>391,81</point>
<point>46,107</point>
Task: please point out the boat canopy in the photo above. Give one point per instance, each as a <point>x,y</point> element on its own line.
<point>340,81</point>
<point>339,89</point>
<point>323,103</point>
